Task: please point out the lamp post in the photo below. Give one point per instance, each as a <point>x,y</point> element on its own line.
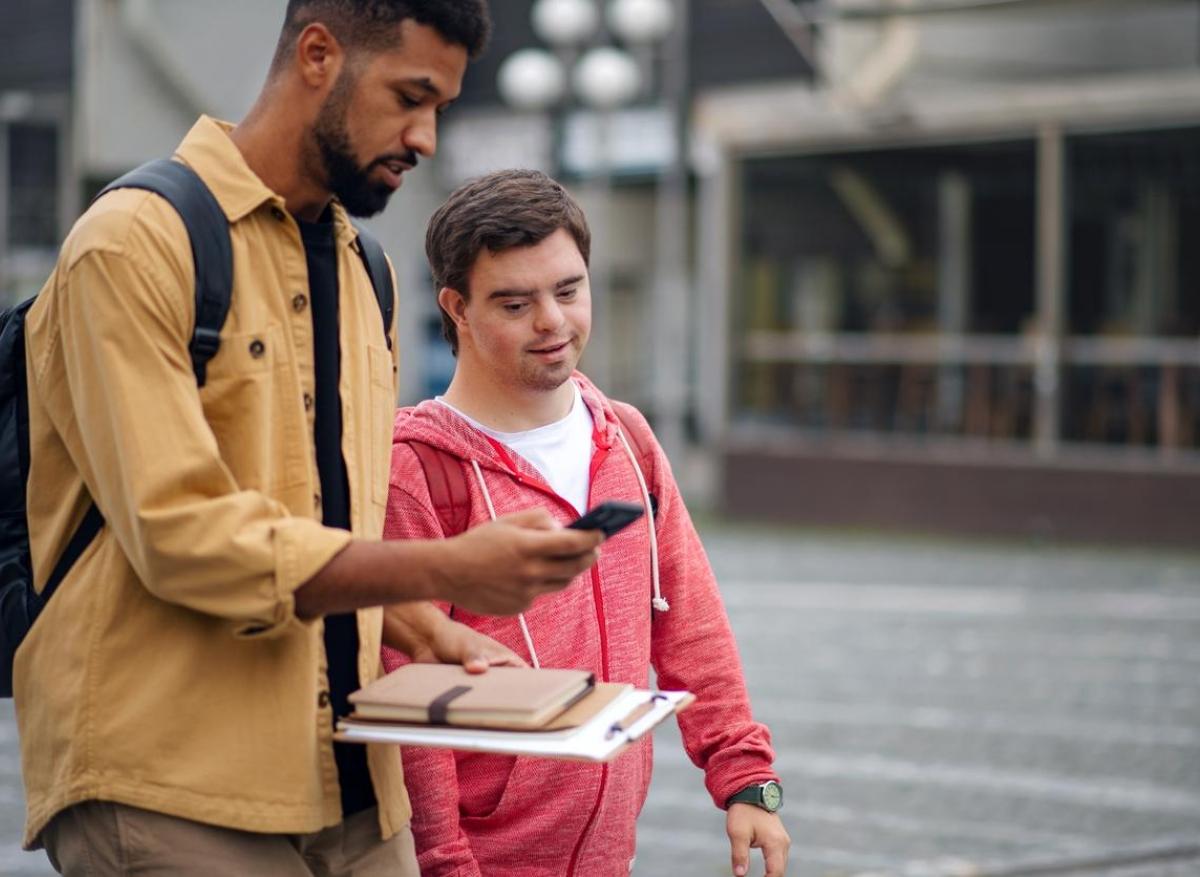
<point>604,78</point>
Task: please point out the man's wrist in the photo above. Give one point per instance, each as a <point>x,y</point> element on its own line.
<point>422,565</point>
<point>766,795</point>
<point>440,569</point>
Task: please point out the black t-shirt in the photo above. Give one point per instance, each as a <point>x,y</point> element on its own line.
<point>341,631</point>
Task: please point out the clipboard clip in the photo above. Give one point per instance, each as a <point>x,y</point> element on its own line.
<point>637,713</point>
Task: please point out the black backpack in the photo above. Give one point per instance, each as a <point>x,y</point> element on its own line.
<point>208,231</point>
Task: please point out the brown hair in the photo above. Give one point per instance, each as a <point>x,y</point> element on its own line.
<point>498,211</point>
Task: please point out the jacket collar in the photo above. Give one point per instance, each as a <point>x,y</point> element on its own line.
<point>210,152</point>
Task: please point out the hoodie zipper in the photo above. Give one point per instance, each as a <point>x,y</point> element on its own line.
<point>598,598</point>
<point>591,821</point>
<point>601,451</point>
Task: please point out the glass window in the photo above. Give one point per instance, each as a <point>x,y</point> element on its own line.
<point>872,251</point>
<point>1134,209</point>
<point>867,241</point>
<point>33,175</point>
<point>1134,206</point>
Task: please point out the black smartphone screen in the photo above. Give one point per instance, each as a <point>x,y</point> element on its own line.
<point>611,517</point>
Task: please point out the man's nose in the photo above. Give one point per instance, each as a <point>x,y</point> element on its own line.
<point>421,136</point>
<point>548,316</point>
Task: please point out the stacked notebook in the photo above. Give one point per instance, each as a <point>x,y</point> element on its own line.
<point>512,698</point>
<point>552,712</point>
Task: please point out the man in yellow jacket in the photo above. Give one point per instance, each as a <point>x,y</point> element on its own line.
<point>176,700</point>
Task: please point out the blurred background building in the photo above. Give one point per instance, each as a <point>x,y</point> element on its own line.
<point>919,263</point>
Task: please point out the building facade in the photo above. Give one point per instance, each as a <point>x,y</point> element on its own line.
<point>36,72</point>
<point>922,263</point>
<point>954,286</point>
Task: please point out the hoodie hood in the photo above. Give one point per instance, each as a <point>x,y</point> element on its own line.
<point>436,425</point>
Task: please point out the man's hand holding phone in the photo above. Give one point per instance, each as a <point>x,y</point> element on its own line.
<point>499,568</point>
<point>609,517</point>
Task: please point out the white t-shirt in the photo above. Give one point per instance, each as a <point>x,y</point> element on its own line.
<point>561,452</point>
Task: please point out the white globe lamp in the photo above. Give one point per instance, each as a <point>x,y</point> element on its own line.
<point>565,23</point>
<point>531,79</point>
<point>606,78</point>
<point>641,21</point>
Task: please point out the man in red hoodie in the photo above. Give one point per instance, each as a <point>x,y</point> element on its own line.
<point>520,427</point>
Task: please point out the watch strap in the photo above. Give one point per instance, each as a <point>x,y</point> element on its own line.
<point>752,794</point>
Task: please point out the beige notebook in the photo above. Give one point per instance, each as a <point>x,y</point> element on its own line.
<point>597,728</point>
<point>446,694</point>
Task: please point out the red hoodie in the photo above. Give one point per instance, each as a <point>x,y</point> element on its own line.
<point>504,816</point>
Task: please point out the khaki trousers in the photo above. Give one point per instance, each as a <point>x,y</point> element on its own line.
<point>100,838</point>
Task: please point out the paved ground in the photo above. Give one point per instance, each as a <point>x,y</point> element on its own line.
<point>941,709</point>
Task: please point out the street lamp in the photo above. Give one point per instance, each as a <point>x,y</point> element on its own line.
<point>641,21</point>
<point>565,23</point>
<point>604,78</point>
<point>531,79</point>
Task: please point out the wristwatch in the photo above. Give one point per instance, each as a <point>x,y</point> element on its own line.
<point>768,795</point>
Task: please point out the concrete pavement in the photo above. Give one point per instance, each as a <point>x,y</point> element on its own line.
<point>958,709</point>
<point>940,709</point>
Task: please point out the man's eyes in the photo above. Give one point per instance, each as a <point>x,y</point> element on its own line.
<point>409,102</point>
<point>518,306</point>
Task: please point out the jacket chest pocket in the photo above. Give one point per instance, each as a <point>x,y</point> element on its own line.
<point>383,410</point>
<point>252,414</point>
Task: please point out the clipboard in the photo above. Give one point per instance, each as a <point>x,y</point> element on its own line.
<point>624,715</point>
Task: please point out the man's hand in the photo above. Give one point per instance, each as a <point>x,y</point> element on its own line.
<point>500,567</point>
<point>496,569</point>
<point>750,827</point>
<point>428,636</point>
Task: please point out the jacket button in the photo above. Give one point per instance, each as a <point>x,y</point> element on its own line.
<point>257,348</point>
<point>299,303</point>
<point>308,402</point>
<point>277,213</point>
<point>323,699</point>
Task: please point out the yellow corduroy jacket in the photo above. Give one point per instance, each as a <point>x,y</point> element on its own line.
<point>169,671</point>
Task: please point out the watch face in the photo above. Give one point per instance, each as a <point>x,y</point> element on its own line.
<point>772,795</point>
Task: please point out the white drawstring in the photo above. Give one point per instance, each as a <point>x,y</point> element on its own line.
<point>487,498</point>
<point>657,602</point>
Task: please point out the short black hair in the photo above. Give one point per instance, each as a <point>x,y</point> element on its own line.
<point>370,24</point>
<point>497,212</point>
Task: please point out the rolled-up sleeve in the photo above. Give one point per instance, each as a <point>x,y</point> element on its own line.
<point>133,422</point>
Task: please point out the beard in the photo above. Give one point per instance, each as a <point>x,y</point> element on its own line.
<point>349,181</point>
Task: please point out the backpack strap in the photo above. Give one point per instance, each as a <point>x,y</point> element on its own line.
<point>91,524</point>
<point>448,488</point>
<point>14,389</point>
<point>381,277</point>
<point>642,449</point>
<point>212,254</point>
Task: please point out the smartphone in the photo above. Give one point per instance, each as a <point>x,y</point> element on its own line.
<point>611,517</point>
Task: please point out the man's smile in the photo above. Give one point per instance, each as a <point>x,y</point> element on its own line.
<point>550,349</point>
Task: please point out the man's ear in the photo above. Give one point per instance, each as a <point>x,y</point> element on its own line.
<point>319,56</point>
<point>454,303</point>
